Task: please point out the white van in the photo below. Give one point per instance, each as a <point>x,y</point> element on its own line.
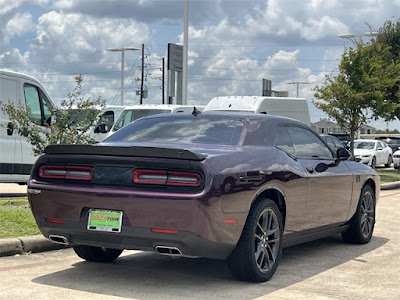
<point>295,108</point>
<point>16,155</point>
<point>134,112</point>
<point>105,120</point>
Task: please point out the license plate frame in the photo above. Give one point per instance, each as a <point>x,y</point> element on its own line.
<point>105,220</point>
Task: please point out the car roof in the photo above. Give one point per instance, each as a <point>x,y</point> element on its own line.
<point>233,115</point>
<point>365,140</point>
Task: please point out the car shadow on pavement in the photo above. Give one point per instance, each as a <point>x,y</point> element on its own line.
<point>147,275</point>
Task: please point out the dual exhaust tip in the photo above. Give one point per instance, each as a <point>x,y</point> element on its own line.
<point>167,250</point>
<point>58,239</point>
<point>163,250</point>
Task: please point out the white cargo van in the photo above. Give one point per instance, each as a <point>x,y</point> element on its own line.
<point>295,108</point>
<point>16,155</point>
<point>134,112</point>
<point>105,120</point>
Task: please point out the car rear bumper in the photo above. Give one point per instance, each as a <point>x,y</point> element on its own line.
<point>203,229</point>
<point>134,238</point>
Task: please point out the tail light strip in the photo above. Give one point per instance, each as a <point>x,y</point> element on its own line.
<point>66,172</point>
<point>162,177</point>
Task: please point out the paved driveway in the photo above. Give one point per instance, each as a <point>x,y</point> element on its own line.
<point>325,269</point>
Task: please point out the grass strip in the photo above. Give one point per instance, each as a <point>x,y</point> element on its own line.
<point>16,218</point>
<point>389,175</point>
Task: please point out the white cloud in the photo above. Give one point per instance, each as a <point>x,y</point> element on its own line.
<point>20,24</point>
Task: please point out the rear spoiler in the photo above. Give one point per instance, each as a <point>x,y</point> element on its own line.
<point>125,151</point>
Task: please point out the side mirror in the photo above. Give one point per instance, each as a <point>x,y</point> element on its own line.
<point>102,128</point>
<point>10,128</point>
<point>343,154</point>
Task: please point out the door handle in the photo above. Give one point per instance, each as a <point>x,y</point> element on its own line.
<point>309,169</point>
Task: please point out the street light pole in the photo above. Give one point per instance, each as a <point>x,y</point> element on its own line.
<point>297,86</point>
<point>122,50</point>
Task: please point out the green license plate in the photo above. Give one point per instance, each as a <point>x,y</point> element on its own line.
<point>105,220</point>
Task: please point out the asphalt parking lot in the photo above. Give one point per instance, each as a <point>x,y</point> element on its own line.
<point>325,269</point>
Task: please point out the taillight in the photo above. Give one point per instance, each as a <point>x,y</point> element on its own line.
<point>66,172</point>
<point>162,177</point>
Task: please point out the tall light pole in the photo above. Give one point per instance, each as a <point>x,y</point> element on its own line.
<point>122,50</point>
<point>297,86</point>
<point>185,51</point>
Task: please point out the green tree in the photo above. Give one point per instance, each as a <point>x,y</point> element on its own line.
<point>389,36</point>
<point>347,96</point>
<point>71,122</point>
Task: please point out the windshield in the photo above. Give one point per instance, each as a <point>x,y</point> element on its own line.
<point>183,130</point>
<point>128,116</point>
<point>364,145</point>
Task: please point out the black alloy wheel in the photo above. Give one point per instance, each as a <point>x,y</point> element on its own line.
<point>363,222</point>
<point>257,254</point>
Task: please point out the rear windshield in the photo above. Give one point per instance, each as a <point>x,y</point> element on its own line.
<point>190,130</point>
<point>128,116</point>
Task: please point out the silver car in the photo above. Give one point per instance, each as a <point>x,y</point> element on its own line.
<point>373,153</point>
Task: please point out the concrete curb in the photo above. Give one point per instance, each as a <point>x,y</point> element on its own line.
<point>390,186</point>
<point>27,244</point>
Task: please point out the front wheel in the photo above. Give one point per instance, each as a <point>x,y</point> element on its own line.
<point>97,254</point>
<point>259,249</point>
<point>373,162</point>
<point>363,222</point>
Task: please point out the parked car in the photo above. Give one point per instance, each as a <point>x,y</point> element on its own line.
<point>396,159</point>
<point>373,153</point>
<point>392,141</point>
<point>344,138</point>
<point>332,141</point>
<point>233,186</point>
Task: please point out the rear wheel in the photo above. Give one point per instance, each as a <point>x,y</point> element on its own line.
<point>97,254</point>
<point>259,249</point>
<point>363,222</point>
<point>389,162</point>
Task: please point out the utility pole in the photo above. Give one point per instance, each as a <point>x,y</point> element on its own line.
<point>163,80</point>
<point>142,80</point>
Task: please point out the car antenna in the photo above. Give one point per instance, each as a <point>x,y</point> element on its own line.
<point>195,111</point>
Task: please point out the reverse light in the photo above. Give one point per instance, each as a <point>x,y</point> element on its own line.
<point>162,177</point>
<point>66,172</point>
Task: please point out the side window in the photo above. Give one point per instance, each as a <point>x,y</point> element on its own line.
<point>123,120</point>
<point>107,118</point>
<point>47,107</point>
<point>307,144</point>
<point>330,142</point>
<point>33,103</point>
<point>283,140</point>
<point>38,104</point>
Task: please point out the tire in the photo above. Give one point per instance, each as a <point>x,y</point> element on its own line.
<point>257,254</point>
<point>97,254</point>
<point>389,163</point>
<point>373,163</point>
<point>363,222</point>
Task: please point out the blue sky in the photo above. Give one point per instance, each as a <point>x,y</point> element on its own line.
<point>233,44</point>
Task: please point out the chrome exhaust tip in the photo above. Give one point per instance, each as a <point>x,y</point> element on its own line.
<point>58,239</point>
<point>167,250</point>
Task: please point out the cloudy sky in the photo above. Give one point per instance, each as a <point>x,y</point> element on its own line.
<point>233,44</point>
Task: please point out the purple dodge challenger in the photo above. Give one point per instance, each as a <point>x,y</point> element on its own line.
<point>231,186</point>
